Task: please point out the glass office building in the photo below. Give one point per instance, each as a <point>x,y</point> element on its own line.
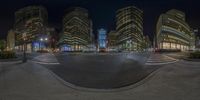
<point>30,25</point>
<point>102,39</point>
<point>77,30</point>
<point>173,32</point>
<point>11,40</point>
<point>112,40</point>
<point>129,22</point>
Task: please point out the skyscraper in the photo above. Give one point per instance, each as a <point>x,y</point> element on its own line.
<point>102,39</point>
<point>30,25</point>
<point>129,22</point>
<point>11,40</point>
<point>77,30</point>
<point>112,40</point>
<point>173,32</point>
<point>197,39</point>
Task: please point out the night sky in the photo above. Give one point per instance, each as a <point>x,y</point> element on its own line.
<point>102,12</point>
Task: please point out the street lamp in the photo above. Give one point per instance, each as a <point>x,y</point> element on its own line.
<point>41,40</point>
<point>24,50</point>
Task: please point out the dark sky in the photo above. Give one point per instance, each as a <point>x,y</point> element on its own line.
<point>102,12</point>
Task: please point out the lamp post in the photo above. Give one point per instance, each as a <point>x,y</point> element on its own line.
<point>24,46</point>
<point>41,39</point>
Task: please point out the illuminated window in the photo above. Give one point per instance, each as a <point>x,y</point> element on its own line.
<point>166,45</point>
<point>178,46</point>
<point>173,46</point>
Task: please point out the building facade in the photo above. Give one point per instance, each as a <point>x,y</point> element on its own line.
<point>11,40</point>
<point>147,43</point>
<point>173,32</point>
<point>197,39</point>
<point>53,36</point>
<point>30,26</point>
<point>129,25</point>
<point>77,30</point>
<point>102,39</point>
<point>197,43</point>
<point>112,41</point>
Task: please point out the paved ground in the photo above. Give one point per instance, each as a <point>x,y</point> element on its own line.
<point>102,71</point>
<point>31,81</point>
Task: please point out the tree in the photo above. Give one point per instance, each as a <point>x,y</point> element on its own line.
<point>2,45</point>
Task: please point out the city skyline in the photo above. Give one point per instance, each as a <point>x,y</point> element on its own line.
<point>96,11</point>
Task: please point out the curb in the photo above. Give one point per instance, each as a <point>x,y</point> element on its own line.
<point>11,62</point>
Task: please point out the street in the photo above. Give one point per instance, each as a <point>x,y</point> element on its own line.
<point>100,71</point>
<point>104,71</point>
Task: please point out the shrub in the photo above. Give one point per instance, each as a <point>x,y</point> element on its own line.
<point>7,55</point>
<point>42,51</point>
<point>195,55</point>
<point>2,45</point>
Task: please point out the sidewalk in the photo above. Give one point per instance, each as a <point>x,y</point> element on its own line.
<point>31,81</point>
<point>10,61</point>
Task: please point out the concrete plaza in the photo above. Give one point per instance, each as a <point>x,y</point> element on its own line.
<point>179,80</point>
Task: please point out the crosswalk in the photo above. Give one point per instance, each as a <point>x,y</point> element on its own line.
<point>160,59</point>
<point>48,59</point>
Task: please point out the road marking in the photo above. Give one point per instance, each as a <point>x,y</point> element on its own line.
<point>160,60</point>
<point>170,57</point>
<point>45,63</point>
<point>156,61</point>
<point>163,63</point>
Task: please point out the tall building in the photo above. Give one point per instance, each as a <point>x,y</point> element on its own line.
<point>197,39</point>
<point>112,40</point>
<point>77,30</point>
<point>173,32</point>
<point>53,37</point>
<point>11,40</point>
<point>102,39</point>
<point>129,22</point>
<point>147,43</point>
<point>30,26</point>
<point>197,43</point>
